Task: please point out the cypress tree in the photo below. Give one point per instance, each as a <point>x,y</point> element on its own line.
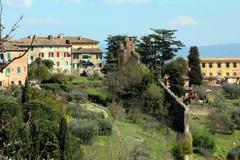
<point>24,92</point>
<point>194,74</point>
<point>64,140</point>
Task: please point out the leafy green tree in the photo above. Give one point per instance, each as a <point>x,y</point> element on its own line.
<point>48,63</point>
<point>113,45</point>
<point>176,70</point>
<point>38,71</point>
<point>158,47</point>
<point>194,73</point>
<point>220,123</point>
<point>154,101</point>
<point>13,131</point>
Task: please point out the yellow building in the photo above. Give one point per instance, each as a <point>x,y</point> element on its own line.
<point>16,72</point>
<point>219,70</point>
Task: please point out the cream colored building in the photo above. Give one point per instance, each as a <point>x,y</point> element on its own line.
<point>70,54</point>
<point>85,53</point>
<point>16,72</point>
<point>219,70</point>
<point>52,48</point>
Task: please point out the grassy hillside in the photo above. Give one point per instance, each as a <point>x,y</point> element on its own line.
<point>126,136</point>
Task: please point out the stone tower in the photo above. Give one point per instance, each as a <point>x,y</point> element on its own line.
<point>127,51</point>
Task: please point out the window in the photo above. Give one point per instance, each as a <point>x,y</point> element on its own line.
<point>58,54</point>
<point>234,74</point>
<point>219,74</point>
<point>100,65</point>
<point>219,65</point>
<point>235,65</point>
<point>203,65</point>
<point>204,74</point>
<point>1,56</point>
<point>19,83</point>
<point>50,54</point>
<point>41,55</point>
<point>66,54</point>
<point>1,84</point>
<point>18,69</point>
<point>227,65</point>
<point>227,74</point>
<point>86,56</point>
<point>8,70</point>
<point>210,74</point>
<point>31,58</point>
<point>31,48</point>
<point>12,82</point>
<point>58,63</point>
<point>210,65</point>
<point>75,56</point>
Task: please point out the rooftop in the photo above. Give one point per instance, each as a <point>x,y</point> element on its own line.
<point>59,40</point>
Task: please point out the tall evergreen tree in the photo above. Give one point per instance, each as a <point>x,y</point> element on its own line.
<point>25,97</point>
<point>158,47</point>
<point>64,140</point>
<point>113,44</point>
<point>194,73</point>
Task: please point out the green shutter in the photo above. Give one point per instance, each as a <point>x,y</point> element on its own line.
<point>18,69</point>
<point>8,55</point>
<point>8,70</point>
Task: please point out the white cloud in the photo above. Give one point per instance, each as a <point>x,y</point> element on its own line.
<point>101,1</point>
<point>65,1</point>
<point>20,3</point>
<point>126,1</point>
<point>183,21</point>
<point>41,21</point>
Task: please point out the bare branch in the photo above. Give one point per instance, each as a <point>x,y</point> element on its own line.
<point>14,27</point>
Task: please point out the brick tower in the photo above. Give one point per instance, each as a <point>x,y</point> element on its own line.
<point>127,51</point>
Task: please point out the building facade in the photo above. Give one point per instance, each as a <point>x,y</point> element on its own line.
<point>220,70</point>
<point>69,54</point>
<point>85,53</point>
<point>52,48</point>
<point>16,72</point>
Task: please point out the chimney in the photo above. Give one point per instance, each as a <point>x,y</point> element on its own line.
<point>80,38</point>
<point>30,36</point>
<point>68,41</point>
<point>61,35</point>
<point>50,37</point>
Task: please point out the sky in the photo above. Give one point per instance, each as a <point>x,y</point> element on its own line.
<point>199,22</point>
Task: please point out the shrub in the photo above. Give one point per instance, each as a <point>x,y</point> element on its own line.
<point>85,130</point>
<point>76,111</point>
<point>57,78</point>
<point>235,116</point>
<point>104,127</point>
<point>202,140</point>
<point>54,87</point>
<point>232,90</point>
<point>96,98</point>
<point>234,154</point>
<point>220,123</point>
<point>181,149</point>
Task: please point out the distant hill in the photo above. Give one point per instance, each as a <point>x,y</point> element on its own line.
<point>221,50</point>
